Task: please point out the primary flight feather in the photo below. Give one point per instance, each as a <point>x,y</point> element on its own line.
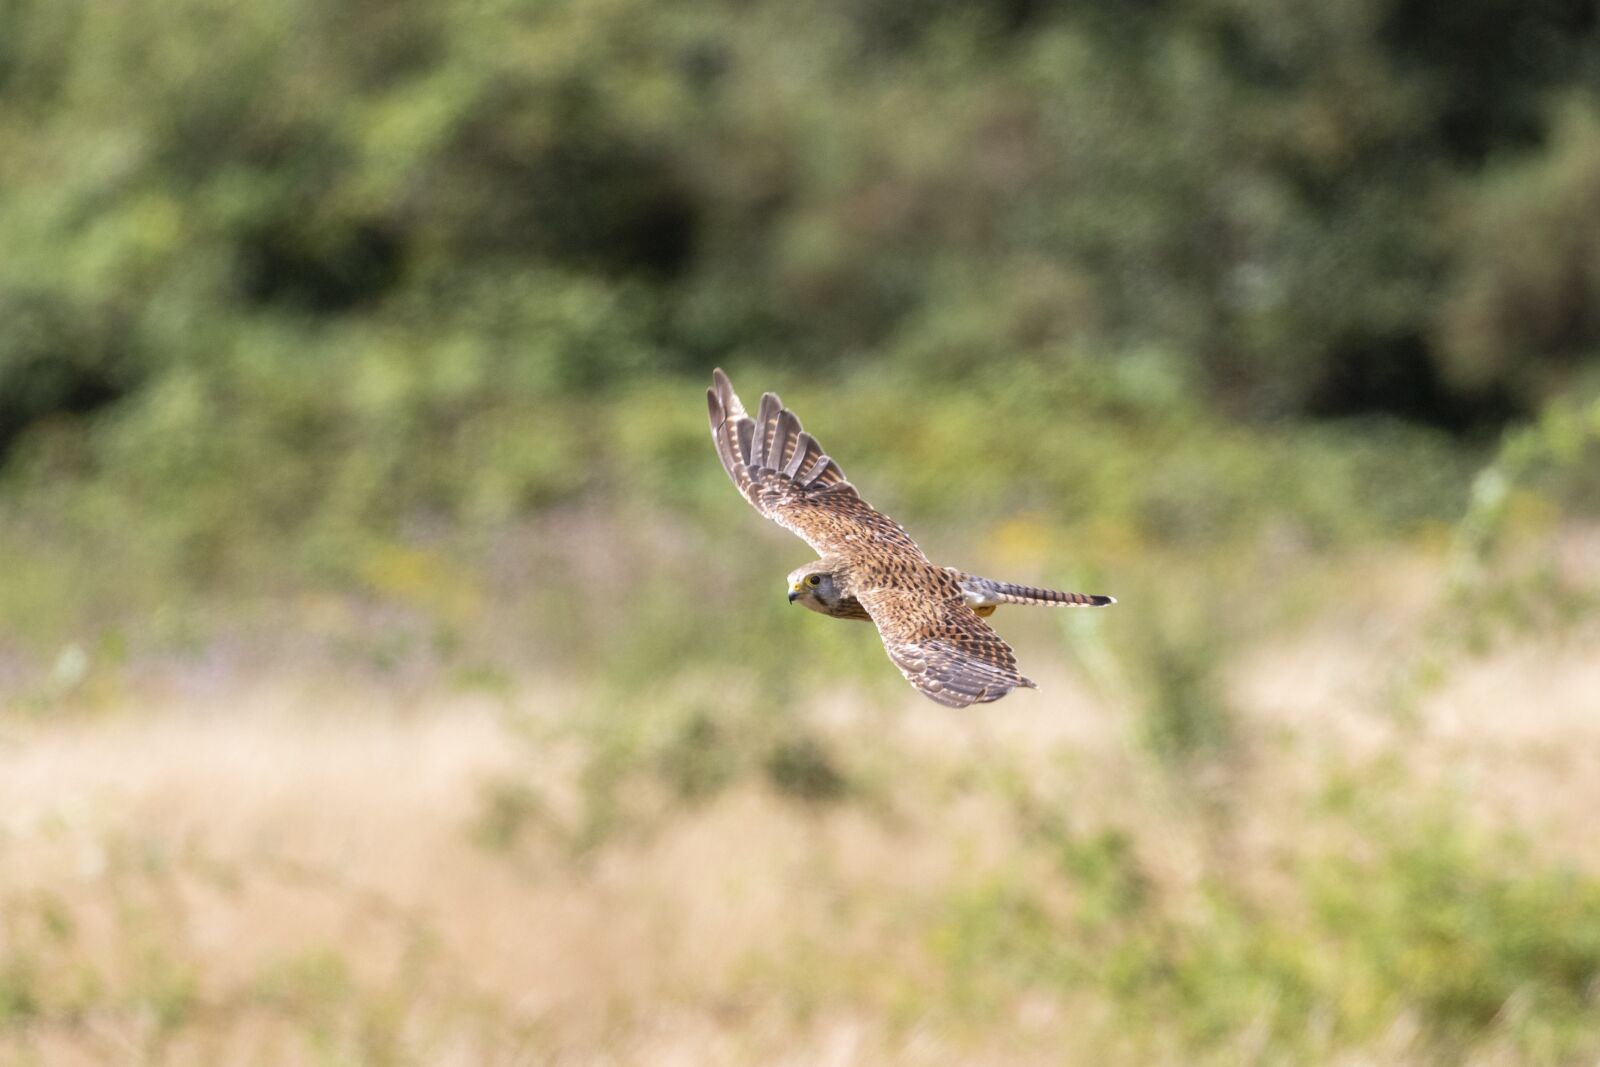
<point>870,568</point>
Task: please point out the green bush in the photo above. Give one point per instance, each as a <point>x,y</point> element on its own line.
<point>1403,913</point>
<point>286,286</point>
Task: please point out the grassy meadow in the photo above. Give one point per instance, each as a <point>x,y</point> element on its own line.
<point>390,675</point>
<point>620,803</point>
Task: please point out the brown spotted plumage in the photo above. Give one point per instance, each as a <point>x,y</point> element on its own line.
<point>928,616</point>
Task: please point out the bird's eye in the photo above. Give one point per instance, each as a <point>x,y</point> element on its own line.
<point>815,579</point>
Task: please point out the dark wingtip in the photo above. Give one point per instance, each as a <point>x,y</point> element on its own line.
<point>714,407</point>
<point>1101,601</point>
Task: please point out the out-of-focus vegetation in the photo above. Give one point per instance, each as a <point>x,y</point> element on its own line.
<point>282,277</point>
<point>366,341</point>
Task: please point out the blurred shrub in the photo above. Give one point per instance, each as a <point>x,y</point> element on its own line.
<point>802,767</point>
<point>1395,915</point>
<point>1526,308</point>
<point>287,281</point>
<point>1185,717</point>
<point>1247,184</point>
<point>58,359</point>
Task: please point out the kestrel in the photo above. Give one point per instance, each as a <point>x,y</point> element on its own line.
<point>927,616</point>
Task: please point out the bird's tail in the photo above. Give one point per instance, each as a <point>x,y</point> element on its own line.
<point>987,593</point>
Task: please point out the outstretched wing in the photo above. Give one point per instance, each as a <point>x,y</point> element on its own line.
<point>784,472</point>
<point>939,643</point>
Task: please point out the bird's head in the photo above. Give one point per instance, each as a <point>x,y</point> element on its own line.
<point>813,585</point>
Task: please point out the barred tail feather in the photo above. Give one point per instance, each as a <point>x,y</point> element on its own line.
<point>1027,594</point>
<point>986,592</point>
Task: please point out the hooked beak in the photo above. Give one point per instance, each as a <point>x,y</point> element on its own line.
<point>794,592</point>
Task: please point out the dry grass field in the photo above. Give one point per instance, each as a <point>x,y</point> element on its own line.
<point>279,869</point>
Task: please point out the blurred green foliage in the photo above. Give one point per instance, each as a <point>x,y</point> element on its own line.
<point>1417,915</point>
<point>291,274</point>
<point>380,328</point>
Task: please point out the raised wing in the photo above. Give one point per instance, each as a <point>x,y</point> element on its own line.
<point>940,644</point>
<point>784,472</point>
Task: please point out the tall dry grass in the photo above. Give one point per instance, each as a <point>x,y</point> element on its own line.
<point>290,871</point>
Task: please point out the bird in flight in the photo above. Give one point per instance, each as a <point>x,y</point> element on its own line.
<point>929,617</point>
